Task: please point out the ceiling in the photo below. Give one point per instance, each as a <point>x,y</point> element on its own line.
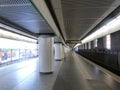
<point>74,18</point>
<point>22,14</point>
<point>77,17</point>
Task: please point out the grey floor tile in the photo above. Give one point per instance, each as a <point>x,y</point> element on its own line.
<point>25,76</point>
<point>73,73</point>
<point>78,74</point>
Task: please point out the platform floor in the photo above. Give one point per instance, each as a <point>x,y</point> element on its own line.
<point>72,73</point>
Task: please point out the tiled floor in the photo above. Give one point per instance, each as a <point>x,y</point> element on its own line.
<point>73,73</point>
<point>77,73</point>
<point>25,76</point>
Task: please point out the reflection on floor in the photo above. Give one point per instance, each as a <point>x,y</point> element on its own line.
<point>25,76</point>
<point>73,73</point>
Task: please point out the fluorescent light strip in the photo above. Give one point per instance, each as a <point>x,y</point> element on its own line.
<point>15,36</point>
<point>17,31</point>
<point>110,27</point>
<point>77,45</point>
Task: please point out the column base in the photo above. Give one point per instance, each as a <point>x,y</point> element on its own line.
<point>45,73</point>
<point>58,59</point>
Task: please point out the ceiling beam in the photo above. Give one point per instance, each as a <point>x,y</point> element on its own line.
<point>43,10</point>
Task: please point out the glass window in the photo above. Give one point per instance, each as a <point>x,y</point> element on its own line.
<point>11,50</point>
<point>15,54</point>
<point>108,42</point>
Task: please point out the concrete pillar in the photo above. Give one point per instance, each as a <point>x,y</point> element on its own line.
<point>63,52</point>
<point>46,58</point>
<point>115,40</point>
<point>100,43</point>
<point>58,51</point>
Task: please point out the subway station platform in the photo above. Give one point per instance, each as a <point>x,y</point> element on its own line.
<point>72,73</point>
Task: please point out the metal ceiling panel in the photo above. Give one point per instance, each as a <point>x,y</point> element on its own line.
<point>75,17</point>
<point>79,15</point>
<point>23,14</point>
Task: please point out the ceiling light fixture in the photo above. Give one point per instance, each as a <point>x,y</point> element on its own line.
<point>108,28</point>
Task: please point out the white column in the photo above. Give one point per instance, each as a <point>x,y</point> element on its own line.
<point>58,51</point>
<point>63,53</point>
<point>46,54</point>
